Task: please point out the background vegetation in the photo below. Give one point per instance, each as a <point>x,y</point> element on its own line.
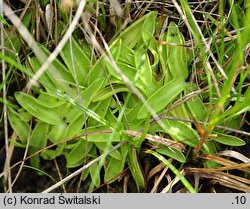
<point>125,96</point>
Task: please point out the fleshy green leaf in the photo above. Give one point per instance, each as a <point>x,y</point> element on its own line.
<point>74,127</point>
<point>196,106</point>
<point>144,71</point>
<point>44,79</point>
<point>95,174</point>
<point>24,115</point>
<point>57,133</point>
<point>101,109</point>
<point>135,169</point>
<point>77,153</point>
<point>49,100</point>
<point>91,91</point>
<point>39,135</point>
<point>101,137</point>
<point>103,147</point>
<point>19,126</point>
<point>131,35</point>
<point>173,153</point>
<point>45,114</point>
<point>71,113</point>
<point>178,67</point>
<point>52,154</point>
<point>109,92</point>
<point>57,76</point>
<point>113,169</point>
<point>163,96</point>
<point>229,140</point>
<point>179,131</point>
<point>81,61</point>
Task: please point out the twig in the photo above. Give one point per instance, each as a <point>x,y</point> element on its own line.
<point>60,175</point>
<point>157,139</point>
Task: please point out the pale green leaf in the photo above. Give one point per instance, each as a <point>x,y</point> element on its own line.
<point>45,114</point>
<point>52,154</point>
<point>57,133</point>
<point>74,127</point>
<point>81,61</point>
<point>19,126</point>
<point>173,153</point>
<point>95,174</point>
<point>135,168</point>
<point>109,92</point>
<point>101,109</point>
<point>229,140</point>
<point>77,153</point>
<point>113,169</point>
<point>163,96</point>
<point>49,100</point>
<point>103,147</point>
<point>39,135</point>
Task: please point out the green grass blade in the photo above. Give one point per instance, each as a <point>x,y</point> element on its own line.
<point>40,171</point>
<point>175,170</point>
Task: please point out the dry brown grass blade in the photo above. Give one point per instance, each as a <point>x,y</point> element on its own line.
<point>159,179</point>
<point>155,170</point>
<point>125,183</point>
<point>223,168</point>
<point>228,180</point>
<point>173,182</point>
<point>224,162</point>
<point>234,154</point>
